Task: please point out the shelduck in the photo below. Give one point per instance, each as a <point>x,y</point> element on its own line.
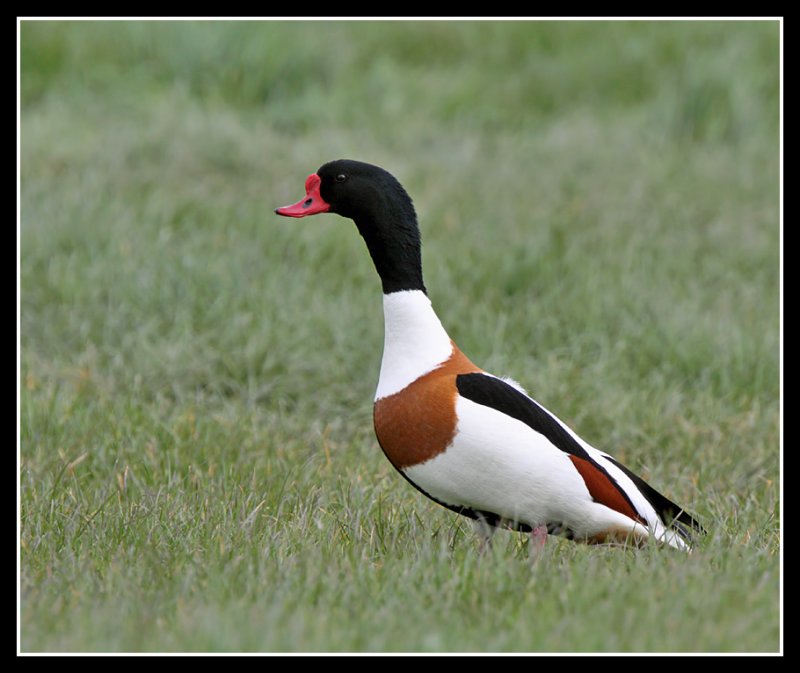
<point>473,442</point>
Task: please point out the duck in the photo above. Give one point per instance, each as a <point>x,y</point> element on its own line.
<point>471,441</point>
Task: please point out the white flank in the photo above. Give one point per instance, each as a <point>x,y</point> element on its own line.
<point>499,464</point>
<point>415,342</point>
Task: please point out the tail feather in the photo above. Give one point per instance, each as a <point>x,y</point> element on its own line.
<point>674,517</point>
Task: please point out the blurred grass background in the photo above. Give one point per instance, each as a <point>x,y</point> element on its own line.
<point>599,204</point>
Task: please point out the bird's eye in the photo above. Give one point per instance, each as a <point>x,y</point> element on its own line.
<point>341,177</point>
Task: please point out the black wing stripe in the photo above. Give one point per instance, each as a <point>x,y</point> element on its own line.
<point>497,394</point>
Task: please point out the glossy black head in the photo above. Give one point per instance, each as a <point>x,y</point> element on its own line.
<point>382,211</point>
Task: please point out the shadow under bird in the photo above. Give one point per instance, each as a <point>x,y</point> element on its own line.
<point>473,442</point>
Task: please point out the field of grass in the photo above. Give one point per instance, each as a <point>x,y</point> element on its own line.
<point>599,204</point>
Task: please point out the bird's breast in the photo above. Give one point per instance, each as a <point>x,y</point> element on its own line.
<point>419,422</point>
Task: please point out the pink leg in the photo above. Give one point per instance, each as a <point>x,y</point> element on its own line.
<point>538,538</point>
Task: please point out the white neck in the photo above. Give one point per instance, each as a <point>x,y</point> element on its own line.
<point>414,341</point>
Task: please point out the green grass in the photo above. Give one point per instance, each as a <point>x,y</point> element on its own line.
<point>599,205</point>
